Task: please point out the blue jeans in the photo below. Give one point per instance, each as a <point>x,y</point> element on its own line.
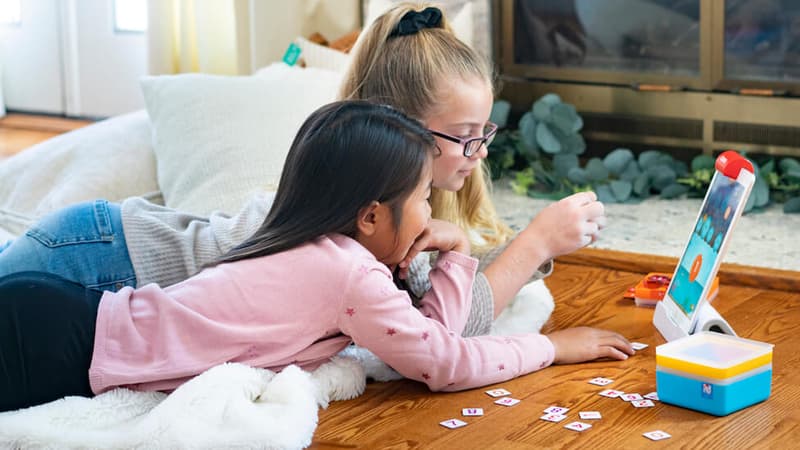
<point>83,243</point>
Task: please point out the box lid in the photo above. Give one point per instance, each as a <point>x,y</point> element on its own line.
<point>713,355</point>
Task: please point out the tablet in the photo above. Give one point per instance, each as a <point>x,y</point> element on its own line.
<point>708,241</point>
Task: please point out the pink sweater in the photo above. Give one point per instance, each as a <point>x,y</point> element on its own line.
<point>303,306</point>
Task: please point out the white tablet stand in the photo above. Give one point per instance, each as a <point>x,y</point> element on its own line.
<point>729,164</point>
<point>708,319</point>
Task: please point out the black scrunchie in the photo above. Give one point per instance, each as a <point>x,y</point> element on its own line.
<point>414,21</point>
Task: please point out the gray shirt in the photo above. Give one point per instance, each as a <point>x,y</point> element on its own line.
<point>167,247</point>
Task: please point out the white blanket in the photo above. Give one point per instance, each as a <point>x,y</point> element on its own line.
<point>230,405</point>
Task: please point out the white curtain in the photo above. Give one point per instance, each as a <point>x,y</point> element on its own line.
<point>2,102</point>
<point>233,37</point>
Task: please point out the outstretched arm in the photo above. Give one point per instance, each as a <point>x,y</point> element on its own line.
<point>560,228</point>
<point>427,350</point>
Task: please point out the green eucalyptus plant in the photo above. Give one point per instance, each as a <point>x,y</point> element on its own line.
<point>542,157</point>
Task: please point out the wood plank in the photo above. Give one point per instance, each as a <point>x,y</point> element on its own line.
<point>13,141</point>
<point>404,414</point>
<point>20,131</point>
<point>737,274</point>
<point>42,123</point>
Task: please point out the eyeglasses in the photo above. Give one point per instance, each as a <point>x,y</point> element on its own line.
<point>472,144</point>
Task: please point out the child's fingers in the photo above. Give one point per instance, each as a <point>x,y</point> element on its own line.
<point>588,233</point>
<point>612,352</point>
<point>593,210</point>
<point>601,221</point>
<point>420,245</point>
<point>402,273</point>
<point>582,198</point>
<point>617,341</point>
<point>591,228</point>
<point>406,262</point>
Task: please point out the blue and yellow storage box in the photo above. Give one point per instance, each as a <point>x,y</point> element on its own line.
<point>713,373</point>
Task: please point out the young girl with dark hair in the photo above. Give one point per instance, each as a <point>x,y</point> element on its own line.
<point>316,276</point>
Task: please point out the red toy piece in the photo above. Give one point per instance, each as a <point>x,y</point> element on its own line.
<point>730,163</point>
<point>651,289</point>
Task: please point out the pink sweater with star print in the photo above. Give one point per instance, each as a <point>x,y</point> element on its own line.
<point>303,306</point>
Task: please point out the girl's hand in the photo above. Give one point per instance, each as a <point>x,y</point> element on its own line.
<point>438,235</point>
<point>568,224</point>
<point>580,344</point>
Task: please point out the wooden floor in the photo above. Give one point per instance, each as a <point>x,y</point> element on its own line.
<point>20,131</point>
<point>404,414</point>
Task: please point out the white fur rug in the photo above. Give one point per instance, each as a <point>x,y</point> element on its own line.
<point>228,406</point>
<point>528,313</point>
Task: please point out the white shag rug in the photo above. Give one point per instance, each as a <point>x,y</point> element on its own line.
<point>228,406</point>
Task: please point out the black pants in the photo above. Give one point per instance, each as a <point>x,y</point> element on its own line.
<point>47,327</point>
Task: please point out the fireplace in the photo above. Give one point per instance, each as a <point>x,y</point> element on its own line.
<point>686,76</point>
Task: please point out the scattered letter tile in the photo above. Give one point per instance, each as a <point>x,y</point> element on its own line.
<point>643,403</point>
<point>553,417</point>
<point>611,393</point>
<point>586,415</point>
<point>599,381</point>
<point>507,401</point>
<point>472,412</point>
<point>556,410</point>
<point>498,392</point>
<point>638,346</point>
<point>630,397</point>
<point>453,423</point>
<point>651,396</point>
<point>657,435</point>
<point>577,426</point>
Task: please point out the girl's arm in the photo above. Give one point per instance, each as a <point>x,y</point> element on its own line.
<point>560,228</point>
<point>439,235</point>
<point>481,312</point>
<point>167,246</point>
<point>444,237</point>
<point>381,318</point>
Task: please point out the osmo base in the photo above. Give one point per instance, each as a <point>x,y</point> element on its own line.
<point>708,319</point>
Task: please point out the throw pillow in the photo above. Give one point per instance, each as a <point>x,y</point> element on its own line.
<point>219,139</point>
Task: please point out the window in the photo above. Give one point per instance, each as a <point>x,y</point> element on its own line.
<point>10,12</point>
<point>130,16</point>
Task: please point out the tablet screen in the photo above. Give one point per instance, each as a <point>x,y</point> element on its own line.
<point>696,267</point>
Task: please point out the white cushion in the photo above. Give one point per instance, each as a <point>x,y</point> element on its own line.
<point>112,159</point>
<point>219,139</point>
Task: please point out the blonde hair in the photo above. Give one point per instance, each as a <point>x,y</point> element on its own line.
<point>410,72</point>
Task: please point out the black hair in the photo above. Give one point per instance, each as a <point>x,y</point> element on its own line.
<point>346,155</point>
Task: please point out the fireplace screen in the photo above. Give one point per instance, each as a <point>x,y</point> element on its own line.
<point>707,45</point>
<point>657,36</point>
<point>762,40</point>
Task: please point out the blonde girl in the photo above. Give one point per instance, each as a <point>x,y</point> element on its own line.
<point>410,58</point>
